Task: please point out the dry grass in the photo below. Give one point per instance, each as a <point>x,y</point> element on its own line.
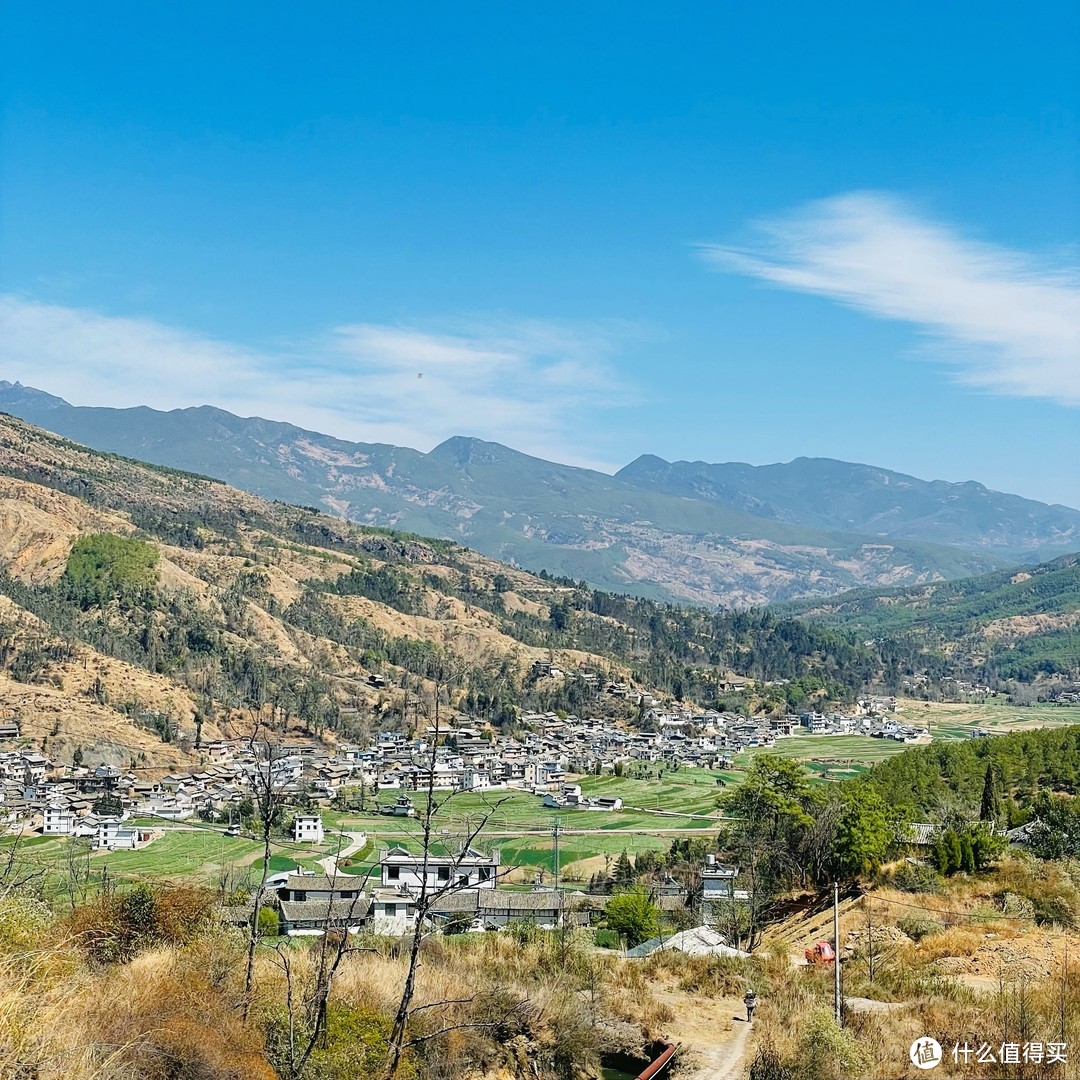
<point>518,1005</point>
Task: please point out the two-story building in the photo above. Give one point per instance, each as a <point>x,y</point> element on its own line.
<point>312,903</point>
<point>717,887</point>
<point>57,819</point>
<point>469,868</point>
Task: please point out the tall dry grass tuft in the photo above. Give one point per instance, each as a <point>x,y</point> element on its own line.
<point>167,1016</point>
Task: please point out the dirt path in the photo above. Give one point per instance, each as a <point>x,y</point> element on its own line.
<point>721,1061</point>
<point>713,1035</point>
<point>356,841</point>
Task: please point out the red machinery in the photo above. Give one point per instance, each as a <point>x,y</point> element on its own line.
<point>821,952</point>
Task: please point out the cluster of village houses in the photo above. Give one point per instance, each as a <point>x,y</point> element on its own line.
<point>59,799</point>
<point>459,887</point>
<point>549,751</point>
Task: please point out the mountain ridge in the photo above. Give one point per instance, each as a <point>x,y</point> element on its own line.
<point>570,521</point>
<point>1022,623</point>
<point>863,498</point>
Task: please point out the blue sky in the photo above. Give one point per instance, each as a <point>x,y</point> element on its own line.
<point>727,232</point>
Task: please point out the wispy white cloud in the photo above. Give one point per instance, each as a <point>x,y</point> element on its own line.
<point>1006,321</point>
<point>529,383</point>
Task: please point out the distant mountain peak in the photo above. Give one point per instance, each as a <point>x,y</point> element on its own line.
<point>464,449</point>
<point>14,393</point>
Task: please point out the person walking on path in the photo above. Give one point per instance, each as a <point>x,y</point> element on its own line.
<point>750,1001</point>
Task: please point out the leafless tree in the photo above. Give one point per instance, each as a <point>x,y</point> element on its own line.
<point>312,1006</point>
<point>429,896</point>
<point>269,800</point>
<point>15,874</point>
<point>78,868</point>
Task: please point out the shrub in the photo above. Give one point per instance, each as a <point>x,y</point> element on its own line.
<point>606,939</point>
<point>1054,909</point>
<point>458,923</point>
<point>915,878</point>
<point>714,976</point>
<point>1047,887</point>
<point>356,1043</point>
<point>269,923</point>
<point>918,927</point>
<point>114,927</point>
<point>826,1050</point>
<point>633,916</point>
<point>767,1065</point>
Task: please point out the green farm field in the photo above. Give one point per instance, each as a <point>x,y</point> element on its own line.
<point>656,810</point>
<point>178,854</point>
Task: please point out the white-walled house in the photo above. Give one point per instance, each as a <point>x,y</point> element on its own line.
<point>304,886</point>
<point>717,885</point>
<point>393,911</point>
<point>110,833</point>
<point>469,868</point>
<point>307,829</point>
<point>312,903</point>
<point>312,918</point>
<point>57,819</point>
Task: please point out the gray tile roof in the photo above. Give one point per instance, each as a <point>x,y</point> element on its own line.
<point>294,911</point>
<point>323,883</point>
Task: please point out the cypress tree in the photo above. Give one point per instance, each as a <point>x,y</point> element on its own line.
<point>990,809</point>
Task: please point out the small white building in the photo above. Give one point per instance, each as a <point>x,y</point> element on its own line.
<point>57,819</point>
<point>717,887</point>
<point>113,834</point>
<point>393,911</point>
<point>307,829</point>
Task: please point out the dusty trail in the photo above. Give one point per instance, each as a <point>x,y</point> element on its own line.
<point>714,1037</point>
<point>356,841</point>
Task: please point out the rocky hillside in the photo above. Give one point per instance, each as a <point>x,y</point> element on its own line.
<point>145,610</point>
<point>249,607</point>
<point>613,532</point>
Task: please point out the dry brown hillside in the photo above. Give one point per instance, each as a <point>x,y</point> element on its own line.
<point>242,618</point>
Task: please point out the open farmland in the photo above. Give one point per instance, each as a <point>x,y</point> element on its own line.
<point>656,809</point>
<point>185,853</point>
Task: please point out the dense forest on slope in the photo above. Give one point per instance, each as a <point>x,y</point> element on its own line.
<point>1013,624</point>
<point>932,780</point>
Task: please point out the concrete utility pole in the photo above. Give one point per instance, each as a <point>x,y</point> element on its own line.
<point>555,825</point>
<point>836,949</point>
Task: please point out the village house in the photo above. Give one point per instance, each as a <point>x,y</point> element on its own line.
<point>307,829</point>
<point>400,868</point>
<point>58,819</point>
<point>309,918</point>
<point>393,911</point>
<point>717,887</point>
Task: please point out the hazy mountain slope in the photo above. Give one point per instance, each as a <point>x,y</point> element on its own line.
<point>827,494</point>
<point>538,514</point>
<point>1022,622</point>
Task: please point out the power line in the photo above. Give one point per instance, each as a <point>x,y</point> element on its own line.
<point>918,907</point>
